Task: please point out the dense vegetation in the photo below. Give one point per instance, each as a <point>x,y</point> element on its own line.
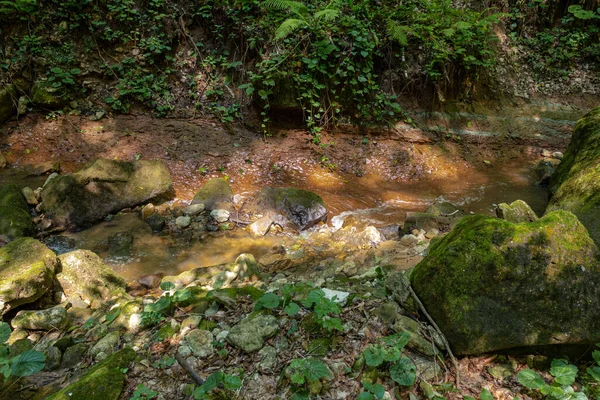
<point>337,60</point>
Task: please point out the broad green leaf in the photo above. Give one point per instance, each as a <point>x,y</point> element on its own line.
<point>292,309</point>
<point>232,382</point>
<point>268,300</point>
<point>594,372</point>
<point>374,355</point>
<point>377,389</point>
<point>167,286</point>
<point>28,363</point>
<point>530,379</point>
<point>365,396</point>
<point>596,355</point>
<point>398,340</point>
<point>485,395</point>
<point>4,332</point>
<point>404,372</point>
<point>564,375</point>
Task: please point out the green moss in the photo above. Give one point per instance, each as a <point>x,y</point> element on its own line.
<point>15,219</point>
<point>214,193</point>
<point>575,186</point>
<point>491,284</point>
<point>43,94</point>
<point>104,381</point>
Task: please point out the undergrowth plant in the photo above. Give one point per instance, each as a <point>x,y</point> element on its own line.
<point>27,363</point>
<point>154,313</point>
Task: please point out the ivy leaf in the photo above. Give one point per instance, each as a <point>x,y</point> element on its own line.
<point>374,355</point>
<point>404,372</point>
<point>28,363</point>
<point>268,300</point>
<point>530,379</point>
<point>165,286</point>
<point>292,309</point>
<point>564,375</point>
<point>486,395</point>
<point>377,389</point>
<point>4,332</point>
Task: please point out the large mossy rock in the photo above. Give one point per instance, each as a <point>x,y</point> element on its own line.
<point>575,186</point>
<point>301,207</point>
<point>8,96</point>
<point>15,219</point>
<point>103,381</point>
<point>215,194</point>
<point>491,284</point>
<point>518,211</point>
<point>43,94</point>
<point>104,187</point>
<point>27,270</point>
<point>83,275</point>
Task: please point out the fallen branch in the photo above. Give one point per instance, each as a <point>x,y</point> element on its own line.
<point>188,368</point>
<point>438,330</point>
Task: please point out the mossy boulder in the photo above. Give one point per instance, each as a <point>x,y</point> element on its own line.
<point>518,211</point>
<point>43,94</point>
<point>575,186</point>
<point>82,275</point>
<point>15,219</point>
<point>491,284</point>
<point>8,102</point>
<point>44,320</point>
<point>27,270</point>
<point>250,334</point>
<point>301,207</point>
<point>215,194</point>
<point>103,381</point>
<point>103,187</point>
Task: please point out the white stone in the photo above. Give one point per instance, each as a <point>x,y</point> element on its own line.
<point>336,296</point>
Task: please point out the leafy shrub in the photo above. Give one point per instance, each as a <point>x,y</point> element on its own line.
<point>24,364</point>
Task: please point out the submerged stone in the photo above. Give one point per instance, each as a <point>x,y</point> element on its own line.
<point>102,188</point>
<point>15,219</point>
<point>491,284</point>
<point>303,208</point>
<point>575,186</point>
<point>27,270</point>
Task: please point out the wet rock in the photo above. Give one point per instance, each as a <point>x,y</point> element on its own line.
<point>518,211</point>
<point>220,216</point>
<point>84,275</point>
<point>544,171</point>
<point>102,188</point>
<point>558,155</point>
<point>53,356</point>
<point>8,102</point>
<point>27,270</point>
<point>73,355</point>
<point>576,183</point>
<point>261,226</point>
<point>244,267</point>
<point>156,222</point>
<point>426,222</point>
<point>61,244</point>
<point>200,342</point>
<point>445,209</point>
<point>303,208</point>
<point>103,381</point>
<point>15,219</point>
<point>45,95</point>
<point>120,246</point>
<point>544,268</point>
<point>193,209</point>
<point>183,222</point>
<point>147,211</point>
<point>107,345</point>
<point>215,194</point>
<point>546,153</point>
<point>250,334</point>
<point>43,320</point>
<point>151,281</point>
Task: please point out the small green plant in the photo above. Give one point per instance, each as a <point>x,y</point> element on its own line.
<point>143,392</point>
<point>388,354</point>
<point>216,379</point>
<point>560,388</point>
<point>303,371</point>
<point>154,313</point>
<point>24,364</point>
<point>165,362</point>
<point>371,391</point>
<point>62,78</point>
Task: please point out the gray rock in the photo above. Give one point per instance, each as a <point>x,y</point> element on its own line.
<point>250,334</point>
<point>200,342</point>
<point>268,358</point>
<point>428,369</point>
<point>194,209</point>
<point>215,194</point>
<point>220,215</point>
<point>156,222</point>
<point>558,155</point>
<point>29,195</point>
<point>107,345</point>
<point>102,188</point>
<point>73,355</point>
<point>53,356</point>
<point>120,246</point>
<point>518,211</point>
<point>50,178</point>
<point>336,296</point>
<point>45,320</point>
<point>261,226</point>
<point>183,222</point>
<point>397,284</point>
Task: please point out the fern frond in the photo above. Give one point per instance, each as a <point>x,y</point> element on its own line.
<point>398,32</point>
<point>329,14</point>
<point>288,26</point>
<point>289,5</point>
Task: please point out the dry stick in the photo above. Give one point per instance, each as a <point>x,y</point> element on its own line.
<point>422,307</point>
<point>188,368</point>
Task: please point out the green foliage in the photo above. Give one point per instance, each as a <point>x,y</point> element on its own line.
<point>25,7</point>
<point>388,354</point>
<point>155,312</point>
<point>216,379</point>
<point>24,364</point>
<point>560,388</point>
<point>303,370</point>
<point>372,391</point>
<point>143,392</point>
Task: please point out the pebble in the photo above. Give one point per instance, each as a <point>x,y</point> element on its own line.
<point>220,215</point>
<point>183,222</point>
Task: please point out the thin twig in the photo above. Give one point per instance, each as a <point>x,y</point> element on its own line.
<point>188,368</point>
<point>442,336</point>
